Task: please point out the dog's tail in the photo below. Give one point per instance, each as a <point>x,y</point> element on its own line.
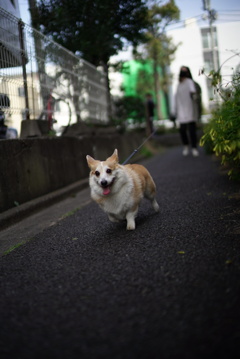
<point>150,191</point>
<point>150,187</point>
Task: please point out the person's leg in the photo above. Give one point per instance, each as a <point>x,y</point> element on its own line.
<point>151,125</point>
<point>148,127</point>
<point>183,134</point>
<point>184,138</point>
<point>193,134</point>
<point>193,138</point>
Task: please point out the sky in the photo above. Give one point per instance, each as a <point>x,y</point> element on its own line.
<point>192,8</point>
<point>188,8</point>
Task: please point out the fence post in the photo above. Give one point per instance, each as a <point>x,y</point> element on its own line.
<point>22,48</point>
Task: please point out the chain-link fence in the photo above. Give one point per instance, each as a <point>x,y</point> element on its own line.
<point>40,79</point>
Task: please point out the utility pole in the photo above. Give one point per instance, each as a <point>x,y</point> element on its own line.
<point>212,16</point>
<point>23,55</point>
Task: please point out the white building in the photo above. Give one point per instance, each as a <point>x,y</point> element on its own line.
<point>195,51</point>
<point>11,6</point>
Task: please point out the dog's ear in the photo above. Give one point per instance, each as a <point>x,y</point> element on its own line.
<point>114,157</point>
<point>91,162</point>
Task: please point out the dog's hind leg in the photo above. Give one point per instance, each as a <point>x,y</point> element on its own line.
<point>155,205</point>
<point>112,218</point>
<point>153,201</point>
<point>150,193</point>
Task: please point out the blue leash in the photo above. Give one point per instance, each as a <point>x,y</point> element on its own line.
<point>135,151</point>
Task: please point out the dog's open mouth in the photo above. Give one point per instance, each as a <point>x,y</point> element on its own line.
<point>107,188</point>
<point>106,191</point>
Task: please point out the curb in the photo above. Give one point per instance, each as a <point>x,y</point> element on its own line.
<point>16,214</point>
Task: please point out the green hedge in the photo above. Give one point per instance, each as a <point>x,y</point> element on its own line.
<point>222,134</point>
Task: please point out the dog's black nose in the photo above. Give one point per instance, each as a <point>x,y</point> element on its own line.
<point>104,183</point>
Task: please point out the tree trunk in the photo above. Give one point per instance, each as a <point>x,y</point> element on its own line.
<point>157,88</point>
<point>109,100</point>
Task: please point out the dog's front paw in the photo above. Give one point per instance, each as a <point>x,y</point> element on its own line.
<point>130,217</point>
<point>131,225</point>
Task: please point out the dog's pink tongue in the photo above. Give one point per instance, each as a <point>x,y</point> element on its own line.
<point>106,191</point>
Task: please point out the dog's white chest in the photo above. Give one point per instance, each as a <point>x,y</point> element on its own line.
<point>118,204</point>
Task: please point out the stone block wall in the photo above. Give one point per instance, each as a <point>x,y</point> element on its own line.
<point>33,167</point>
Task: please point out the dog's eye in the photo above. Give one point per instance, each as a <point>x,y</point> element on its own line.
<point>97,173</point>
<point>109,171</point>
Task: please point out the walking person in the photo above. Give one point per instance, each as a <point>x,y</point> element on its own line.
<point>149,113</point>
<point>186,111</point>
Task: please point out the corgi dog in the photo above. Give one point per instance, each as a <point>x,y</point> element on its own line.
<point>119,189</point>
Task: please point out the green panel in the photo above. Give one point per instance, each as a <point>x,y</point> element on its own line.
<point>138,80</point>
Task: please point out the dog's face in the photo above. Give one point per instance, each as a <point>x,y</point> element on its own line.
<point>103,173</point>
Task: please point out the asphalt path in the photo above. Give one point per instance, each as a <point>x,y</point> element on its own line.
<point>87,288</point>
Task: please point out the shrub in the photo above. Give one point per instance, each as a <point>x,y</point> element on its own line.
<point>222,134</point>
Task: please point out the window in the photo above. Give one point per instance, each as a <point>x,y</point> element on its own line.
<point>21,92</point>
<point>210,89</point>
<point>206,38</point>
<point>208,66</point>
<point>210,62</point>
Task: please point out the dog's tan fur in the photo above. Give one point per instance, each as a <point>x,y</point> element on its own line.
<point>119,189</point>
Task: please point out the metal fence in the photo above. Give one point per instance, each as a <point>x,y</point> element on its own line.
<point>43,80</point>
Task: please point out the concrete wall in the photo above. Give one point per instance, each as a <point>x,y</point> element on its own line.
<point>31,168</point>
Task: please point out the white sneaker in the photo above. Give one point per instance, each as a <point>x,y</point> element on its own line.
<point>185,151</point>
<point>195,152</point>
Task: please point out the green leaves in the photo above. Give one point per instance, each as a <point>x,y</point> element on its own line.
<point>94,28</point>
<point>222,134</point>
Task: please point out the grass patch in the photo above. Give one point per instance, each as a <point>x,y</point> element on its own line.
<point>11,249</point>
<point>70,213</point>
<point>16,246</point>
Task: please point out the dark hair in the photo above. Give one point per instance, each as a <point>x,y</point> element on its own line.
<point>185,73</point>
